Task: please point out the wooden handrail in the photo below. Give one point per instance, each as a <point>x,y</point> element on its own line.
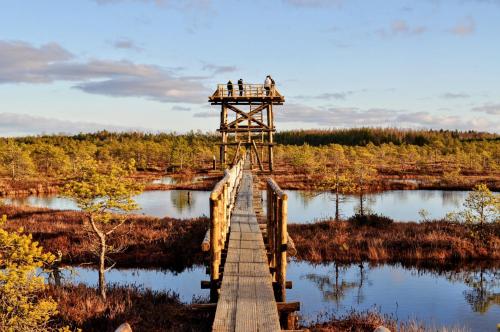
<point>222,200</point>
<point>277,190</point>
<point>277,234</point>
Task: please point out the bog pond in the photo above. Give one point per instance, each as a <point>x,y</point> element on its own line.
<point>304,206</point>
<point>468,298</point>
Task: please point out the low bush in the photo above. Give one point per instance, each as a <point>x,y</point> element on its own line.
<point>373,220</point>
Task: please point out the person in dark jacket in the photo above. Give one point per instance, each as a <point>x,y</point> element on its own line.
<point>229,88</point>
<point>240,86</point>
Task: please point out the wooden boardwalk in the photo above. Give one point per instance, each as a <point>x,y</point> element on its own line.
<point>246,301</point>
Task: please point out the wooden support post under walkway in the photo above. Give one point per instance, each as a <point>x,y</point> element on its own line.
<point>246,300</point>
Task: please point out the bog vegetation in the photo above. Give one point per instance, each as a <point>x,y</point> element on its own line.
<point>97,170</point>
<point>23,305</point>
<point>388,151</point>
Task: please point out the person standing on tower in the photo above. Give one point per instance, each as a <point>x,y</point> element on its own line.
<point>267,84</point>
<point>240,86</point>
<point>229,88</point>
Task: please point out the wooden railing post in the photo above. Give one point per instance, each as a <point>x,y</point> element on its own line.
<point>277,216</point>
<point>222,200</point>
<point>270,217</point>
<point>214,249</point>
<point>224,217</point>
<point>274,233</point>
<point>283,239</point>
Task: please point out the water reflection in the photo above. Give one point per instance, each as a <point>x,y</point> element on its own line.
<point>484,288</point>
<point>165,180</point>
<point>401,205</point>
<point>451,198</point>
<point>303,206</point>
<point>180,204</point>
<point>335,288</point>
<point>185,283</point>
<point>176,180</point>
<point>182,200</point>
<point>468,298</point>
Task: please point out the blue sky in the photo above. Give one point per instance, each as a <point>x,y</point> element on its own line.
<point>69,66</point>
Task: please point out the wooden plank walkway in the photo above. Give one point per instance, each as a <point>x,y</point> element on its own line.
<point>246,301</point>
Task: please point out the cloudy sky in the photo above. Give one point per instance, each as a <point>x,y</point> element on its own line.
<point>83,65</point>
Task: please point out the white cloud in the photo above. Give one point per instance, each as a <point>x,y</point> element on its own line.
<point>465,27</point>
<point>380,117</point>
<point>206,114</point>
<point>217,69</point>
<point>454,95</point>
<point>493,109</point>
<point>315,3</point>
<point>180,108</point>
<point>401,28</point>
<point>13,124</point>
<point>126,44</point>
<point>23,63</point>
<point>341,95</point>
<point>177,4</point>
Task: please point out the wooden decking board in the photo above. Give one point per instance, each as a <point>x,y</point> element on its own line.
<point>226,306</point>
<point>246,305</point>
<point>246,301</point>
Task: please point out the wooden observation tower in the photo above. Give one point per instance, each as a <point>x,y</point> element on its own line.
<point>247,121</point>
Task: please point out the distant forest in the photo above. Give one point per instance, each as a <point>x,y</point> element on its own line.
<point>424,151</point>
<point>377,136</point>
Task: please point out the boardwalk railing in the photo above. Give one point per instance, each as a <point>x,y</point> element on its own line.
<point>277,235</point>
<point>222,200</point>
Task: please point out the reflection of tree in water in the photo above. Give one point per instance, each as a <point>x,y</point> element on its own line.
<point>307,197</point>
<point>426,195</point>
<point>453,198</point>
<point>484,286</point>
<point>485,289</point>
<point>334,285</point>
<point>400,195</point>
<point>367,201</point>
<point>182,200</point>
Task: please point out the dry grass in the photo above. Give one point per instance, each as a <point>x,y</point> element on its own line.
<point>425,243</point>
<point>147,241</point>
<point>368,321</point>
<point>9,187</point>
<point>48,185</point>
<point>292,178</point>
<point>144,310</point>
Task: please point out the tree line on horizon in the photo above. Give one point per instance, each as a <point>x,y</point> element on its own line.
<point>60,156</point>
<point>365,135</point>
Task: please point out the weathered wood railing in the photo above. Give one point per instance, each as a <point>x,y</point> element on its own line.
<point>222,200</point>
<point>277,235</point>
<point>245,90</point>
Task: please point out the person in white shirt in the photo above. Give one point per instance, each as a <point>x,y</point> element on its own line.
<point>267,84</point>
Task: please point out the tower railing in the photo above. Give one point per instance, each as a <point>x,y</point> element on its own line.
<point>246,91</point>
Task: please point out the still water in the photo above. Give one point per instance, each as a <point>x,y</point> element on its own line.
<point>303,206</point>
<point>176,180</point>
<point>179,204</point>
<point>185,283</point>
<point>400,205</point>
<point>464,299</point>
